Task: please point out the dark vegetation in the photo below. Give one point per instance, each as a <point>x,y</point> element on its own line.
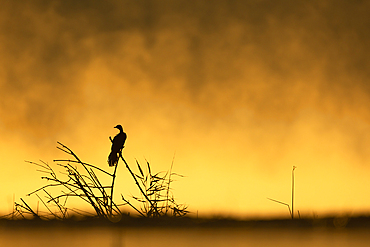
<point>329,223</point>
<point>155,206</point>
<point>82,181</point>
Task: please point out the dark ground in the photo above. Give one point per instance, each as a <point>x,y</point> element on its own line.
<point>187,222</point>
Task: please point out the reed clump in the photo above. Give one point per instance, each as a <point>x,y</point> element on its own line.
<point>156,198</point>
<point>82,181</point>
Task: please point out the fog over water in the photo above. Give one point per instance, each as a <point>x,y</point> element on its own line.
<point>240,90</point>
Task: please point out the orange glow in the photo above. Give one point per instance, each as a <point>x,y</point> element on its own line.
<point>238,93</point>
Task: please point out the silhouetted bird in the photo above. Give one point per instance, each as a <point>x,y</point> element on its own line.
<point>117,145</point>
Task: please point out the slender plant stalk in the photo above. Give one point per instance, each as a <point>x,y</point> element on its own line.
<point>291,212</point>
<point>13,206</point>
<point>132,206</point>
<point>169,183</point>
<point>286,204</point>
<point>137,183</point>
<point>294,167</point>
<point>30,209</point>
<point>111,193</point>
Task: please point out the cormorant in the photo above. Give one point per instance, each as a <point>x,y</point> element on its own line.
<point>117,146</point>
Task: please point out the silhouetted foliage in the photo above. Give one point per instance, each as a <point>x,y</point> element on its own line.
<point>79,179</point>
<point>156,197</point>
<point>83,181</point>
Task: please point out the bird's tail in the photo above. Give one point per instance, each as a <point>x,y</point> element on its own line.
<point>113,159</point>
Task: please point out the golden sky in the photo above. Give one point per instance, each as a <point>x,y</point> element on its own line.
<point>238,91</point>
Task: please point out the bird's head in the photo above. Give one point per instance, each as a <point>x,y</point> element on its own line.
<point>119,127</point>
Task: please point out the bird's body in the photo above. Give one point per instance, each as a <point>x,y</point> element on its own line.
<point>117,146</point>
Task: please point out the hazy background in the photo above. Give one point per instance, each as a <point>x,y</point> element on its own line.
<point>237,91</point>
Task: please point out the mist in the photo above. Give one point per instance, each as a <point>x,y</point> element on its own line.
<point>261,85</point>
